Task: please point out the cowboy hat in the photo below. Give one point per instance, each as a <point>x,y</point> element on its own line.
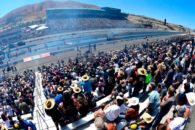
<point>118,70</point>
<point>191,98</point>
<point>126,59</point>
<point>4,127</point>
<point>133,101</point>
<point>73,85</point>
<point>169,54</point>
<point>147,118</point>
<point>121,73</point>
<point>18,94</point>
<point>85,77</point>
<point>60,89</point>
<point>119,98</point>
<point>142,71</point>
<point>49,104</point>
<point>76,89</point>
<point>150,67</point>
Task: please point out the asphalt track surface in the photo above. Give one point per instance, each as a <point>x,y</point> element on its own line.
<point>59,43</point>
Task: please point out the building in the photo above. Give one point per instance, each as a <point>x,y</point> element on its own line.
<point>74,19</point>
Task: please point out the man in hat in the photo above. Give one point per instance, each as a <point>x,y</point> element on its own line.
<point>140,81</point>
<point>51,109</point>
<point>133,110</point>
<point>86,84</point>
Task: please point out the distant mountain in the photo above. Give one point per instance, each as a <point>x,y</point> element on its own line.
<point>37,11</point>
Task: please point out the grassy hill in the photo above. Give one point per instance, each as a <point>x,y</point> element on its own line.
<point>35,12</point>
<point>143,20</point>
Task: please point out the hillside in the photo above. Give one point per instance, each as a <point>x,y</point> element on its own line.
<point>35,12</point>
<point>140,20</point>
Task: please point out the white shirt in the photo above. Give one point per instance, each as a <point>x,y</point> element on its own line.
<point>176,123</point>
<point>181,89</point>
<point>10,111</point>
<point>112,112</point>
<point>123,109</point>
<point>6,123</point>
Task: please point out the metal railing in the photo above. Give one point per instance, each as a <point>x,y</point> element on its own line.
<point>41,119</point>
<point>40,110</point>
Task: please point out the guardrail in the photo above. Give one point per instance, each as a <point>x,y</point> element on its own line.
<point>41,119</point>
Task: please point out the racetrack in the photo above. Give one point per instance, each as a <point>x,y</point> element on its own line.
<point>71,41</point>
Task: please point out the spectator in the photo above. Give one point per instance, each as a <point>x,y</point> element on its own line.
<point>6,120</point>
<point>24,124</point>
<point>112,113</point>
<point>162,90</point>
<point>86,84</point>
<point>133,110</point>
<point>167,102</point>
<point>154,100</point>
<point>99,123</point>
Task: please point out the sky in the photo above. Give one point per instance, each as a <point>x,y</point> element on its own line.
<point>181,12</point>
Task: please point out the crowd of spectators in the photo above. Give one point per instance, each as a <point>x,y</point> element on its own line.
<point>161,70</point>
<point>16,99</point>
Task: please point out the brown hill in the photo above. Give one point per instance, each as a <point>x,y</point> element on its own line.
<point>37,11</point>
<point>141,20</point>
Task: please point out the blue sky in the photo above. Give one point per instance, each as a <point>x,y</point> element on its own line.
<point>175,11</point>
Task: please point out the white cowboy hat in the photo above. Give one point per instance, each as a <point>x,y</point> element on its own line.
<point>191,98</point>
<point>147,118</point>
<point>60,89</point>
<point>85,77</point>
<point>49,104</point>
<point>76,89</point>
<point>119,98</point>
<point>133,101</point>
<point>142,71</point>
<point>73,85</point>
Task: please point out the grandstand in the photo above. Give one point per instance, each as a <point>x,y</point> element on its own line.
<point>82,19</point>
